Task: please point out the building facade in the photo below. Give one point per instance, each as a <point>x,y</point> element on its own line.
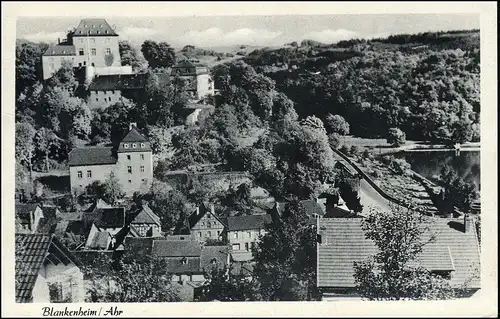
<point>200,83</point>
<point>243,231</point>
<point>93,43</point>
<point>131,163</point>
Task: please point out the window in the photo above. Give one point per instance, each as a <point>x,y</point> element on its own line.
<point>129,169</point>
<point>93,51</point>
<point>246,246</point>
<point>64,51</point>
<point>213,261</point>
<point>209,225</point>
<point>80,64</point>
<point>129,181</point>
<point>128,157</point>
<point>108,51</point>
<point>236,246</point>
<point>92,40</point>
<point>97,99</point>
<point>142,169</point>
<point>202,223</point>
<point>143,145</point>
<point>249,234</point>
<point>80,52</point>
<point>209,234</point>
<point>84,62</point>
<point>253,245</point>
<point>97,31</point>
<point>218,233</point>
<point>143,180</point>
<point>80,174</point>
<point>236,235</point>
<point>89,174</point>
<point>142,156</point>
<point>125,145</point>
<point>86,26</point>
<point>106,31</point>
<point>184,261</point>
<point>107,40</point>
<point>199,234</point>
<point>134,145</point>
<point>113,91</point>
<point>93,64</point>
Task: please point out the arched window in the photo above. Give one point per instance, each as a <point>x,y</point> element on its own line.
<point>143,145</point>
<point>134,145</point>
<point>125,145</point>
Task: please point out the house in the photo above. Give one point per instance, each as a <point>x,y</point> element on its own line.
<point>200,83</point>
<point>313,208</point>
<point>92,44</point>
<point>106,90</point>
<point>46,271</point>
<point>146,222</point>
<point>203,224</point>
<point>243,233</point>
<point>454,253</point>
<point>28,217</point>
<point>131,162</point>
<point>106,224</point>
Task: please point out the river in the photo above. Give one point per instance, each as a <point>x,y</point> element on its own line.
<point>429,164</point>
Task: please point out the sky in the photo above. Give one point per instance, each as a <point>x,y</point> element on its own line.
<point>221,31</point>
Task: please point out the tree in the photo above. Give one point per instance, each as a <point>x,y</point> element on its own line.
<point>112,190</point>
<point>285,258</point>
<point>44,139</point>
<point>25,147</point>
<point>222,286</point>
<point>158,55</point>
<point>396,137</point>
<point>391,274</point>
<point>132,281</point>
<point>336,124</point>
<point>130,56</point>
<point>28,64</point>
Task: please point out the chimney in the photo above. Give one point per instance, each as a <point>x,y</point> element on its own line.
<point>469,223</point>
<point>58,40</point>
<point>132,125</point>
<point>212,209</point>
<point>197,210</point>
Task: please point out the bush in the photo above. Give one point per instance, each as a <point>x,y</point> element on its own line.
<point>376,173</point>
<point>367,154</point>
<point>344,149</point>
<point>401,166</point>
<point>354,150</point>
<point>334,140</point>
<point>396,137</point>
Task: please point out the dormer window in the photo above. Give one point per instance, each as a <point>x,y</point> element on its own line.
<point>106,31</point>
<point>184,261</point>
<point>213,261</point>
<point>93,26</point>
<point>100,25</point>
<point>64,51</point>
<point>125,145</point>
<point>134,145</point>
<point>97,31</point>
<point>86,26</point>
<point>143,145</point>
<point>53,52</point>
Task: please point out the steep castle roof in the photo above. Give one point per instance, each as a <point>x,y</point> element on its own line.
<point>60,50</point>
<point>91,156</point>
<point>94,27</point>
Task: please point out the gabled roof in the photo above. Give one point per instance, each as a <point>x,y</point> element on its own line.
<point>100,241</point>
<point>94,27</point>
<point>344,242</point>
<point>134,136</point>
<point>248,222</point>
<point>91,156</point>
<point>198,214</point>
<point>174,265</point>
<point>25,209</point>
<point>217,254</point>
<point>60,50</point>
<point>146,216</point>
<point>176,248</point>
<point>310,206</point>
<point>35,250</point>
<point>110,217</point>
<point>99,203</point>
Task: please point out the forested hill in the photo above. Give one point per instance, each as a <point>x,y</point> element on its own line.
<point>426,84</point>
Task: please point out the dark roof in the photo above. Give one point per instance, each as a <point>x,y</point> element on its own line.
<point>60,50</point>
<point>176,248</point>
<point>140,246</point>
<point>146,216</point>
<point>344,242</point>
<point>312,207</point>
<point>124,81</point>
<point>110,217</point>
<point>134,136</point>
<point>94,27</point>
<point>99,203</point>
<point>198,214</point>
<point>91,156</point>
<point>176,266</point>
<point>219,254</point>
<point>248,222</point>
<point>35,249</point>
<point>25,209</point>
<point>242,268</point>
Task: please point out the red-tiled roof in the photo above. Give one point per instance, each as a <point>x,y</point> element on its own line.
<point>248,222</point>
<point>134,136</point>
<point>344,242</point>
<point>94,27</point>
<point>91,156</point>
<point>32,250</point>
<point>60,50</point>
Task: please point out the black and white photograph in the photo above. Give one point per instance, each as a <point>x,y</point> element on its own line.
<point>251,158</point>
